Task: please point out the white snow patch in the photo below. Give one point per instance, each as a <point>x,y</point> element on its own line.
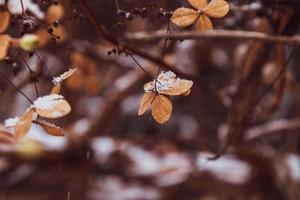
<point>11,122</point>
<point>225,168</point>
<point>165,81</point>
<point>293,163</point>
<point>47,101</point>
<point>15,7</point>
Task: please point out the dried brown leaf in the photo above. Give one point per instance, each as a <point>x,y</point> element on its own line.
<point>187,93</point>
<point>198,4</point>
<point>56,89</point>
<point>4,45</point>
<point>184,17</point>
<point>216,9</point>
<point>146,102</point>
<point>204,24</point>
<point>4,21</point>
<point>24,124</point>
<point>161,109</point>
<point>51,129</point>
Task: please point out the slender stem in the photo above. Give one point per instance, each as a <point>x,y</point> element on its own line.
<point>32,73</point>
<point>41,60</point>
<point>22,5</point>
<point>163,54</point>
<point>13,85</point>
<point>117,5</point>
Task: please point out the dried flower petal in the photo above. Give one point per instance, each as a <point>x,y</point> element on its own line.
<point>52,106</point>
<point>198,4</point>
<point>161,109</point>
<point>184,17</point>
<point>24,124</point>
<point>51,129</point>
<point>5,17</point>
<point>203,24</point>
<point>64,76</point>
<point>146,102</point>
<point>216,8</point>
<point>4,45</point>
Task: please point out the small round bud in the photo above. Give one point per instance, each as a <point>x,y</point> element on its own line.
<point>29,42</point>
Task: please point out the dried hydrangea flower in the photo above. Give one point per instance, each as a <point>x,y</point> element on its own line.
<point>158,92</point>
<point>184,17</point>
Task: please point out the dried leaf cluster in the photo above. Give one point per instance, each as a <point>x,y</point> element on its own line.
<point>51,106</point>
<point>184,17</point>
<point>158,92</point>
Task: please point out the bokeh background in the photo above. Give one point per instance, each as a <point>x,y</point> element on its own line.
<point>245,95</point>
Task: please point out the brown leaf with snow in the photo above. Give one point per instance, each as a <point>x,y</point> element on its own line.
<point>51,129</point>
<point>24,124</point>
<point>52,106</point>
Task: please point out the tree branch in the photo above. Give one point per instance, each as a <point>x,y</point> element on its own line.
<point>216,34</point>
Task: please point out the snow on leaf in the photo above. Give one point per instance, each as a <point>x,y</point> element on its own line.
<point>168,84</point>
<point>52,106</point>
<point>64,76</point>
<point>50,128</point>
<point>11,122</point>
<point>24,124</point>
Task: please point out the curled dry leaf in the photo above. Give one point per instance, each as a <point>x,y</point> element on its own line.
<point>51,129</point>
<point>161,109</point>
<point>4,45</point>
<point>59,79</point>
<point>24,124</point>
<point>52,106</point>
<point>64,76</point>
<point>4,20</point>
<point>183,17</point>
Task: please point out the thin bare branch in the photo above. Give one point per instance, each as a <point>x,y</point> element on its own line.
<point>216,34</point>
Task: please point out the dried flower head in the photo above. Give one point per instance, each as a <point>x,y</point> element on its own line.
<point>49,106</point>
<point>184,17</point>
<point>158,92</point>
